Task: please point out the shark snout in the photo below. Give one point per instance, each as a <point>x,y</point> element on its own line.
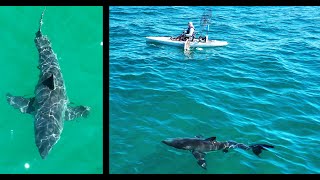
<point>173,142</point>
<point>167,142</point>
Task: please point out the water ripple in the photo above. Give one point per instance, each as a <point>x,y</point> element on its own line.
<point>261,88</point>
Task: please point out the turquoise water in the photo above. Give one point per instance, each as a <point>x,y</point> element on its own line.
<point>75,34</point>
<point>263,87</point>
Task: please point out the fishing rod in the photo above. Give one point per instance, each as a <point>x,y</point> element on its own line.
<point>205,21</point>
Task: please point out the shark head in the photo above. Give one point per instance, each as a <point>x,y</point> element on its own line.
<point>181,143</point>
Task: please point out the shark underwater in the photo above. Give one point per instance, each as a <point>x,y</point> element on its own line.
<point>199,146</point>
<point>50,106</point>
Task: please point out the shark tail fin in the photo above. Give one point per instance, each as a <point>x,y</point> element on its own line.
<point>257,148</point>
<point>41,22</point>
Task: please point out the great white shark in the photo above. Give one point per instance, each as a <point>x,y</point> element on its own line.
<point>50,106</point>
<point>199,146</point>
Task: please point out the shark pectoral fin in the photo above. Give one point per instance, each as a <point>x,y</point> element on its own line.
<point>75,112</point>
<point>25,105</point>
<point>200,159</point>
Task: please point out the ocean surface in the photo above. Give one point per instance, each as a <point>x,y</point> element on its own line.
<point>76,36</point>
<point>263,87</point>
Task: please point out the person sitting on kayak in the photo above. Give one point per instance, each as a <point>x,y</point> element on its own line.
<point>189,33</point>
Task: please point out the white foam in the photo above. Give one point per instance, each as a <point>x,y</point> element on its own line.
<point>11,134</point>
<point>26,165</point>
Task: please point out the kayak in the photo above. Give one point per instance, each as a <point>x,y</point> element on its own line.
<point>194,43</point>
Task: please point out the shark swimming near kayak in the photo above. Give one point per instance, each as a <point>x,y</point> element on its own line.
<point>199,146</point>
<point>50,106</point>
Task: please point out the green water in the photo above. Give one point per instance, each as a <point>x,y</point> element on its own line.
<point>76,36</point>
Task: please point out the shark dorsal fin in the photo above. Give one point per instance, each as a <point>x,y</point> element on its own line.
<point>211,139</point>
<point>49,82</point>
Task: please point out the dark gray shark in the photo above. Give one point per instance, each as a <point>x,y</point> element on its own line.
<point>199,146</point>
<point>50,106</point>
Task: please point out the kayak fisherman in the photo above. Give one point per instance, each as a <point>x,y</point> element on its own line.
<point>187,34</point>
<point>190,31</point>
